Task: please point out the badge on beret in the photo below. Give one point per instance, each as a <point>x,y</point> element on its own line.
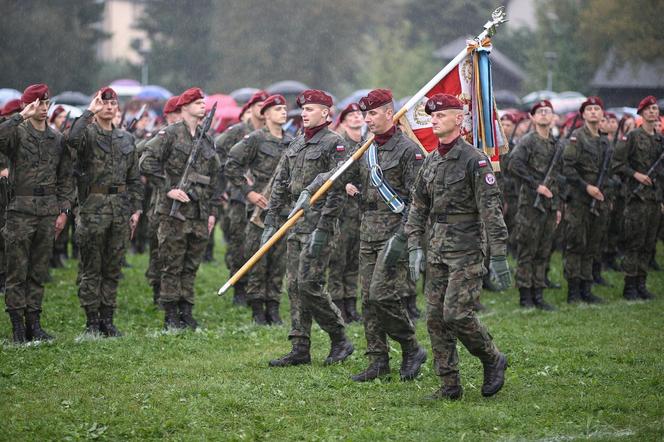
<point>277,100</point>
<point>431,105</point>
<point>490,179</point>
<point>363,106</point>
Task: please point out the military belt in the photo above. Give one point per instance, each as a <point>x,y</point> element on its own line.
<point>108,190</point>
<point>453,218</point>
<point>35,191</point>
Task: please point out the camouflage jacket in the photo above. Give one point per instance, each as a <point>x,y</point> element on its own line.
<point>458,196</point>
<point>582,162</point>
<point>106,161</point>
<point>400,159</point>
<point>223,145</point>
<point>637,152</point>
<point>164,162</point>
<point>351,208</point>
<point>40,169</point>
<point>529,162</point>
<point>302,163</point>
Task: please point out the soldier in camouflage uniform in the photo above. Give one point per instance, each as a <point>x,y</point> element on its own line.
<point>260,153</point>
<point>343,272</point>
<point>109,205</point>
<point>582,161</point>
<point>316,151</point>
<point>42,188</point>
<point>509,185</point>
<point>635,154</point>
<point>235,216</point>
<point>383,265</point>
<point>456,194</point>
<point>182,242</point>
<point>529,163</point>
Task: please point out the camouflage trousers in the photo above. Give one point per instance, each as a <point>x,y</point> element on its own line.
<point>3,218</point>
<point>235,222</point>
<point>308,299</point>
<point>583,240</point>
<point>181,248</point>
<point>152,273</point>
<point>28,248</point>
<point>384,312</point>
<point>640,235</point>
<point>534,243</point>
<point>265,280</point>
<point>342,277</point>
<point>512,220</point>
<point>102,242</point>
<point>451,289</point>
<point>616,234</point>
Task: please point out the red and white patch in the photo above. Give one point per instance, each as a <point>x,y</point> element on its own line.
<point>482,163</point>
<point>340,148</point>
<point>246,136</point>
<point>161,132</point>
<point>490,179</point>
<point>624,138</point>
<point>418,156</point>
<point>572,139</point>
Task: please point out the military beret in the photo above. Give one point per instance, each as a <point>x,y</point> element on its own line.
<point>11,107</point>
<point>540,104</point>
<point>571,117</point>
<point>244,108</point>
<point>273,100</point>
<point>314,96</point>
<point>353,107</point>
<point>591,101</point>
<point>375,98</point>
<point>57,111</point>
<point>189,96</point>
<point>648,101</point>
<point>610,116</point>
<point>108,93</point>
<point>172,105</point>
<point>257,98</point>
<point>510,116</point>
<point>34,92</point>
<point>440,102</point>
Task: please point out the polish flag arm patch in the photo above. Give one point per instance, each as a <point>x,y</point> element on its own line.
<point>482,163</point>
<point>340,148</point>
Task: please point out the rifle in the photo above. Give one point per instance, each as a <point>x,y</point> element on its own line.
<point>606,165</point>
<point>64,123</point>
<point>256,214</point>
<point>190,177</point>
<point>556,157</point>
<point>132,124</point>
<point>650,171</point>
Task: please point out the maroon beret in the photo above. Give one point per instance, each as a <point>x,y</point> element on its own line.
<point>172,105</point>
<point>273,100</point>
<point>57,111</point>
<point>440,102</point>
<point>189,96</point>
<point>244,108</point>
<point>353,107</point>
<point>571,117</point>
<point>648,101</point>
<point>314,96</point>
<point>591,101</point>
<point>610,116</point>
<point>540,104</point>
<point>107,93</point>
<point>11,107</point>
<point>34,92</point>
<point>257,98</point>
<point>510,116</point>
<point>376,98</point>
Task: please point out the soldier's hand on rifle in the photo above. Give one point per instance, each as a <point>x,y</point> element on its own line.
<point>178,195</point>
<point>544,191</point>
<point>595,192</point>
<point>211,222</point>
<point>302,203</point>
<point>415,261</point>
<point>257,199</point>
<point>317,241</point>
<point>60,223</point>
<point>133,223</point>
<point>394,249</point>
<point>351,190</point>
<point>499,272</point>
<point>4,173</point>
<point>30,110</point>
<point>97,104</point>
<point>643,178</point>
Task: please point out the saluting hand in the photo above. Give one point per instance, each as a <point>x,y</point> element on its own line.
<point>97,104</point>
<point>30,110</point>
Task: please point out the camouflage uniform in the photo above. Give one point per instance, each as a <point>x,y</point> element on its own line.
<point>4,196</point>
<point>40,179</point>
<point>510,189</point>
<point>636,152</point>
<point>181,243</point>
<point>110,191</point>
<point>458,196</point>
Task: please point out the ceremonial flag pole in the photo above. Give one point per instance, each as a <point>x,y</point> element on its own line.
<point>498,17</point>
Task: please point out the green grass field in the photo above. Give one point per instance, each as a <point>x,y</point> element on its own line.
<point>582,372</point>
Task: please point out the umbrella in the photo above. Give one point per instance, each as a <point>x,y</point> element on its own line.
<point>7,95</point>
<point>353,98</point>
<point>153,93</point>
<point>221,100</point>
<point>126,87</point>
<point>505,99</point>
<point>287,87</point>
<point>243,95</point>
<point>72,111</point>
<point>72,98</point>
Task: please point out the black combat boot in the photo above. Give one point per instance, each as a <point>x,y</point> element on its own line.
<point>18,327</point>
<point>447,392</point>
<point>351,310</point>
<point>186,317</point>
<point>526,297</point>
<point>654,265</point>
<point>258,311</point>
<point>630,291</point>
<point>171,317</point>
<point>106,326</point>
<point>342,308</point>
<point>33,330</point>
<point>494,376</point>
<point>411,362</point>
<point>642,289</point>
<point>597,275</point>
<point>379,367</point>
<point>239,294</point>
<point>299,355</point>
<point>538,300</point>
<point>3,280</point>
<point>91,320</point>
<point>56,261</point>
<point>587,295</point>
<point>573,291</point>
<point>411,307</point>
<point>611,263</point>
<point>478,306</point>
<point>340,348</point>
<point>272,313</point>
<point>156,289</point>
